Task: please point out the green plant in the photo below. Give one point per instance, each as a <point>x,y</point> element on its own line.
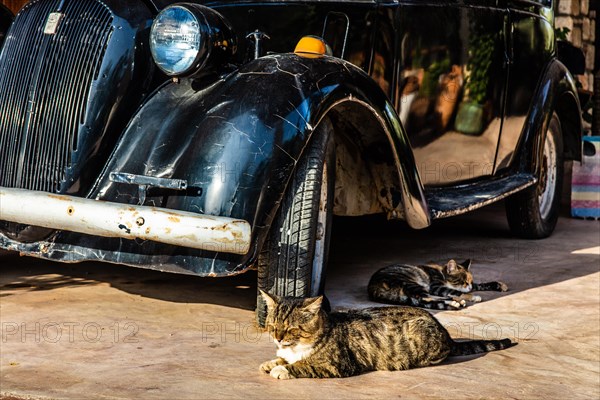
<point>562,33</point>
<point>481,50</point>
<point>432,76</point>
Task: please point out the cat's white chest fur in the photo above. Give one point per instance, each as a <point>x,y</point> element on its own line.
<point>295,353</point>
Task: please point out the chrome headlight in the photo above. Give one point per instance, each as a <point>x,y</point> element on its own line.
<point>184,37</point>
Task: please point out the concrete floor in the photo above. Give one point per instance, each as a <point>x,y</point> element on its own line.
<point>104,331</point>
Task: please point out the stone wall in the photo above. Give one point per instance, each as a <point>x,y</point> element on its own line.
<point>578,16</point>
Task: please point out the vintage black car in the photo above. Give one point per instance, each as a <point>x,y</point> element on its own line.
<point>211,137</point>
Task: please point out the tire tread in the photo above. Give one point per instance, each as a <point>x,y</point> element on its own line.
<point>288,250</point>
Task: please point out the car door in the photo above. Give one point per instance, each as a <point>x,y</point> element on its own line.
<point>450,87</point>
<point>531,45</point>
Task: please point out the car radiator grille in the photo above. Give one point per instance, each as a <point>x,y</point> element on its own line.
<point>45,81</point>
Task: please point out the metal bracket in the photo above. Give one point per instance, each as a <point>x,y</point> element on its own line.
<point>143,182</point>
<point>257,36</point>
<point>329,25</point>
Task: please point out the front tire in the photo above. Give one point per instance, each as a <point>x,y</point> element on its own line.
<point>294,256</point>
<point>533,213</point>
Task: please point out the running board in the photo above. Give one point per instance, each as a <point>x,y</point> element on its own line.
<point>447,202</point>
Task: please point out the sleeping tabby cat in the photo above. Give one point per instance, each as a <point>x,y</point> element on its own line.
<point>430,286</point>
<point>314,344</point>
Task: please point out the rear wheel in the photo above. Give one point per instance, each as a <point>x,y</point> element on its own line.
<point>293,259</point>
<point>533,213</point>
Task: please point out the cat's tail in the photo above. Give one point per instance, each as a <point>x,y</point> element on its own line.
<point>479,346</point>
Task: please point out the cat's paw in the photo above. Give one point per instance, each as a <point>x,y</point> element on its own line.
<point>503,287</point>
<point>455,304</point>
<point>476,299</point>
<point>281,372</point>
<point>267,366</point>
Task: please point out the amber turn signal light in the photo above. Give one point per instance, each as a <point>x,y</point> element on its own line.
<point>312,46</point>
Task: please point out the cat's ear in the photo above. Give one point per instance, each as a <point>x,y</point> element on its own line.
<point>451,267</point>
<point>271,300</point>
<point>466,264</point>
<point>313,304</point>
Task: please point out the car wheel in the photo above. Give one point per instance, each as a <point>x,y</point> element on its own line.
<point>533,213</point>
<point>294,256</point>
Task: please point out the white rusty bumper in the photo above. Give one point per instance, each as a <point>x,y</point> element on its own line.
<point>102,218</point>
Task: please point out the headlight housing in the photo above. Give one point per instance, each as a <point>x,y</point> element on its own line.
<point>186,39</point>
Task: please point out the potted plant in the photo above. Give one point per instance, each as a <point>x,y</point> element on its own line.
<point>472,110</point>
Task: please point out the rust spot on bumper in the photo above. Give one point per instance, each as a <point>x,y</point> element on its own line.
<point>58,197</point>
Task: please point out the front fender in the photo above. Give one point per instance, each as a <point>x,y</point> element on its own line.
<point>237,141</point>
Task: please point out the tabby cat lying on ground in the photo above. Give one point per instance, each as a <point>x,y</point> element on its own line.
<point>314,344</point>
<point>430,286</point>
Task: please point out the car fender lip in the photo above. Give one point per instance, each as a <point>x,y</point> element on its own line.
<point>108,219</point>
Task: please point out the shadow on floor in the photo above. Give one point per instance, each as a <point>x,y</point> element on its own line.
<point>483,236</point>
<point>20,274</point>
<point>360,246</point>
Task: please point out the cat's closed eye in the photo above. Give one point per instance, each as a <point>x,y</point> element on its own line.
<point>294,332</point>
